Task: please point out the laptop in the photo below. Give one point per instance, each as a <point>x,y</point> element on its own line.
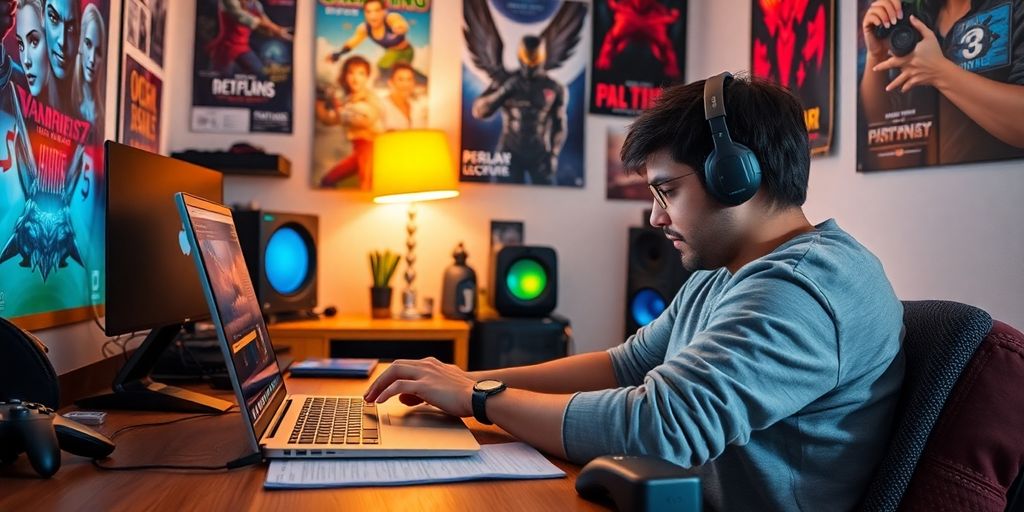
<point>297,426</point>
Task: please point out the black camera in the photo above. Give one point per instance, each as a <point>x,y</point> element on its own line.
<point>903,37</point>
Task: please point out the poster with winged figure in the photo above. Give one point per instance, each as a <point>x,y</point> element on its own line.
<point>523,89</point>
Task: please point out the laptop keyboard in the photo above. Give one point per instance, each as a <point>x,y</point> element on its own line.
<point>336,420</point>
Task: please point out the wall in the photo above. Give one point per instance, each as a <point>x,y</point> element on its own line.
<point>950,233</point>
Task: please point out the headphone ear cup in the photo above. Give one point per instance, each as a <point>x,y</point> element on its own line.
<point>711,178</point>
<point>734,176</point>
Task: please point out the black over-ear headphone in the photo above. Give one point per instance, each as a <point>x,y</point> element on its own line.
<point>732,174</point>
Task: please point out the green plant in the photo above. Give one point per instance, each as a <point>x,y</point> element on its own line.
<point>383,265</point>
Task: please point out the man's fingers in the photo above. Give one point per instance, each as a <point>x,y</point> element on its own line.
<point>891,62</point>
<point>910,84</point>
<point>898,81</point>
<point>398,370</point>
<point>410,400</point>
<point>407,387</point>
<point>891,12</point>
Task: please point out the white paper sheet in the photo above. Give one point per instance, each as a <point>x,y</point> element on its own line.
<point>507,461</point>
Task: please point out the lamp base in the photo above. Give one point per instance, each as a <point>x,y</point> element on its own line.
<point>409,311</point>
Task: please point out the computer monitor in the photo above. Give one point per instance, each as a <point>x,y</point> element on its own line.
<point>151,281</point>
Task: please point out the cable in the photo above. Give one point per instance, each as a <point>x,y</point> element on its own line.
<point>247,460</point>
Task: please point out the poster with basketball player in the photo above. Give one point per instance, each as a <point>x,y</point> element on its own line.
<point>639,46</point>
<point>793,44</point>
<point>372,63</point>
<point>53,104</point>
<point>620,184</point>
<point>523,74</point>
<point>934,92</point>
<point>242,66</point>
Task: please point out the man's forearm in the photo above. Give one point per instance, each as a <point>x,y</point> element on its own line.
<point>582,372</point>
<point>996,106</point>
<point>534,418</point>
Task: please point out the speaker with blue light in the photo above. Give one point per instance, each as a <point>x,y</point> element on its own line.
<point>524,281</point>
<point>281,253</point>
<point>654,275</point>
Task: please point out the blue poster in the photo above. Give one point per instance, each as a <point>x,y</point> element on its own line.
<point>523,90</point>
<point>52,110</point>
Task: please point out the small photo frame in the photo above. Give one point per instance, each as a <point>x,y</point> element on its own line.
<point>506,233</point>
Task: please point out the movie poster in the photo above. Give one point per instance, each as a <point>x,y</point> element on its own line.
<point>906,115</point>
<point>52,116</point>
<point>242,77</point>
<point>523,74</point>
<point>372,63</point>
<point>620,184</point>
<point>639,46</point>
<point>141,97</point>
<point>144,25</point>
<point>793,44</point>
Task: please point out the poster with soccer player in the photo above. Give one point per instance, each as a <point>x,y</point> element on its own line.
<point>52,110</point>
<point>242,66</point>
<point>523,92</point>
<point>639,46</point>
<point>793,44</point>
<point>372,61</point>
<point>940,84</point>
<point>620,184</point>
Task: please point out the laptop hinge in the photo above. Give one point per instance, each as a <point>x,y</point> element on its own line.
<point>284,411</point>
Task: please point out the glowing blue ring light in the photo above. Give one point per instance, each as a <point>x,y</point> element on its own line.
<point>645,306</point>
<point>286,261</point>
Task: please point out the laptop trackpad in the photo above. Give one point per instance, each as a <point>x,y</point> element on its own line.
<point>420,416</point>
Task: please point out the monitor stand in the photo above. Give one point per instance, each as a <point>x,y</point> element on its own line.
<point>134,389</point>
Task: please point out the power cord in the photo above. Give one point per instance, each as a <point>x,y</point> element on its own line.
<point>247,460</point>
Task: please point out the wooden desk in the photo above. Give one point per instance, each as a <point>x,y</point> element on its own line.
<point>215,440</point>
<point>312,338</point>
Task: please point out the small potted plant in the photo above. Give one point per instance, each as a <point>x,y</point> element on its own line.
<point>382,265</point>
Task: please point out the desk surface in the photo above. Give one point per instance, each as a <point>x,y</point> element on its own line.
<point>215,440</point>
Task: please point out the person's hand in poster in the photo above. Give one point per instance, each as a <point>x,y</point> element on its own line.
<point>995,106</point>
<point>268,28</point>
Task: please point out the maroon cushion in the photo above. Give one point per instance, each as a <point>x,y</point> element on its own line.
<point>977,447</point>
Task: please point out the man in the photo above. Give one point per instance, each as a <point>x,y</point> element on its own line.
<point>63,21</point>
<point>775,370</point>
<point>230,52</point>
<point>389,30</point>
<point>402,108</point>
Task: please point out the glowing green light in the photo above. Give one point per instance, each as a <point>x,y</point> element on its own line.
<point>526,279</point>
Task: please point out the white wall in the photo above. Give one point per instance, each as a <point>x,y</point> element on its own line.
<point>950,233</point>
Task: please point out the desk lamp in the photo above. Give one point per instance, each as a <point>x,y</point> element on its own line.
<point>411,166</point>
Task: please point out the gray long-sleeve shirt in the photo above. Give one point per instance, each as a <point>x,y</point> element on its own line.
<point>776,384</point>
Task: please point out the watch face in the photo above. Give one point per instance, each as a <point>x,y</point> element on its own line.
<point>488,385</point>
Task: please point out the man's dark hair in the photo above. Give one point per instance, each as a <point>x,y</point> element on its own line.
<point>761,115</point>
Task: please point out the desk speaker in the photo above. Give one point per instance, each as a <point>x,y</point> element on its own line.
<point>654,275</point>
<point>280,251</point>
<point>496,342</point>
<point>524,281</point>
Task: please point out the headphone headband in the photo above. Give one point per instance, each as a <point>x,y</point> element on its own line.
<point>714,95</point>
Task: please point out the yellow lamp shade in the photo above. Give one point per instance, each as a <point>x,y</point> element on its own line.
<point>412,165</point>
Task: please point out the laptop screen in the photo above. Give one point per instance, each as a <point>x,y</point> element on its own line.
<point>238,312</point>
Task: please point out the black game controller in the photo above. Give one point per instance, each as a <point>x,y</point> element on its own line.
<point>903,37</point>
<point>39,432</point>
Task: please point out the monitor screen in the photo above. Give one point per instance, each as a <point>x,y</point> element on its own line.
<point>150,281</point>
<point>238,311</point>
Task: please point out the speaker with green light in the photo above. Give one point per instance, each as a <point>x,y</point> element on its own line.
<point>524,281</point>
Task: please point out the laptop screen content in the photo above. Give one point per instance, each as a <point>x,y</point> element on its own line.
<point>238,310</point>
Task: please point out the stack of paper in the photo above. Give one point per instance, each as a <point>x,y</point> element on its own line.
<point>508,460</point>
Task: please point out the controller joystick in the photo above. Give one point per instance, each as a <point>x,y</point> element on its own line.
<point>41,434</point>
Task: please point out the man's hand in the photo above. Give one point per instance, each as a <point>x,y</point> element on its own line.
<point>269,28</point>
<point>880,13</point>
<point>8,8</point>
<point>926,65</point>
<point>444,386</point>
